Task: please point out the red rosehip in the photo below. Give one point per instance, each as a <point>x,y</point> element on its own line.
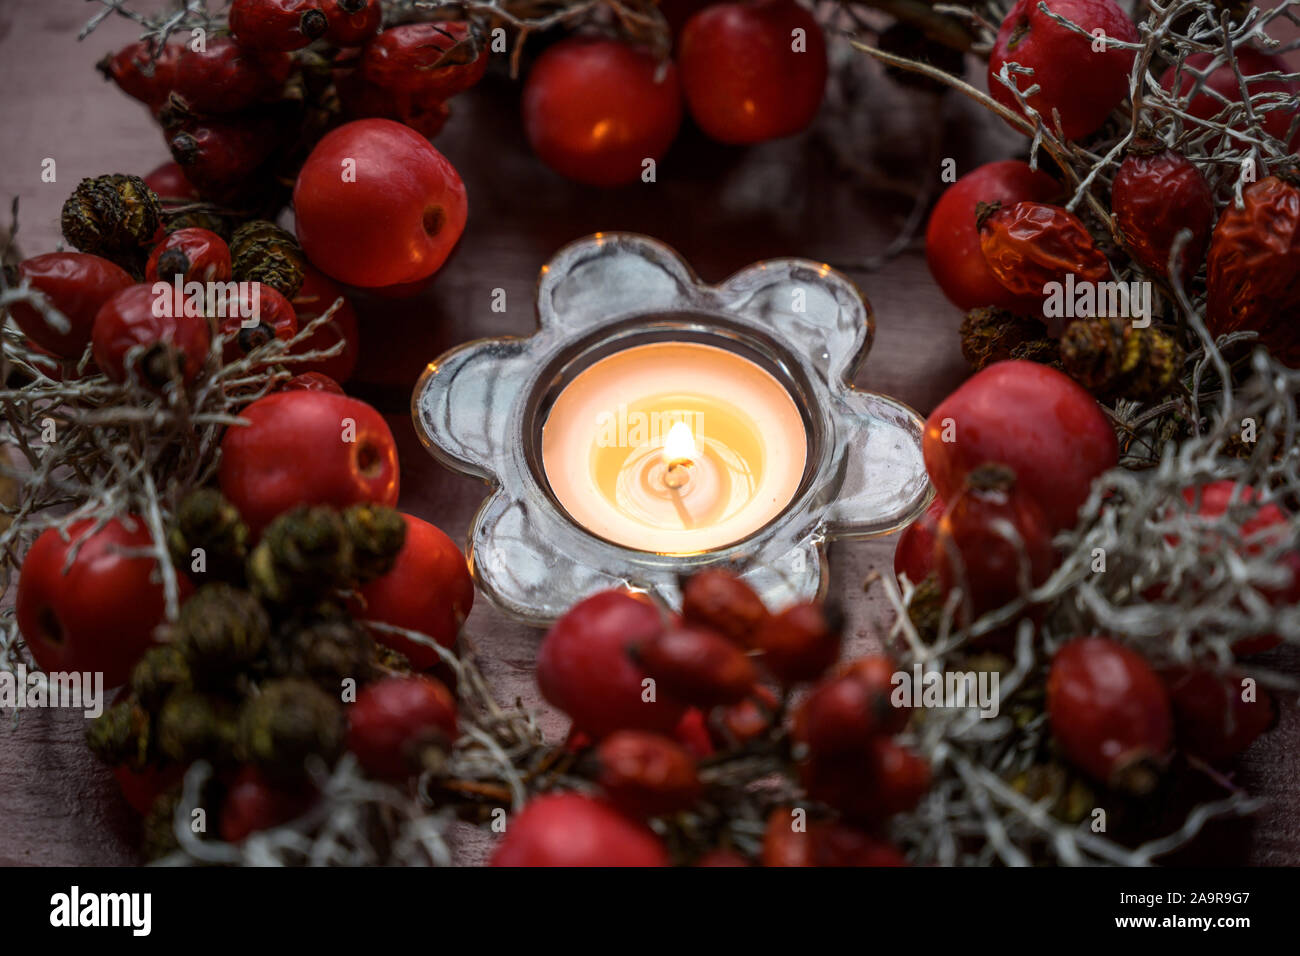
<point>97,613</point>
<point>1253,268</point>
<point>141,75</point>
<point>396,721</point>
<point>196,255</point>
<point>1268,527</point>
<point>316,294</point>
<point>596,109</point>
<point>1028,245</point>
<point>722,857</point>
<point>142,788</point>
<point>219,154</point>
<point>130,334</point>
<point>351,21</point>
<point>952,243</point>
<point>721,601</point>
<point>394,219</point>
<point>585,669</point>
<point>254,316</point>
<point>1222,80</point>
<point>692,732</point>
<point>227,77</point>
<point>800,643</point>
<point>1109,712</point>
<point>646,775</point>
<point>844,713</point>
<point>698,666</point>
<point>914,555</point>
<point>75,283</point>
<point>569,829</point>
<point>312,382</point>
<point>1156,194</point>
<point>404,59</point>
<point>746,75</point>
<point>277,24</point>
<point>428,590</point>
<point>1212,718</point>
<point>168,182</point>
<point>1082,84</point>
<point>361,99</point>
<point>975,552</point>
<point>823,843</point>
<point>307,448</point>
<point>881,780</point>
<point>253,803</point>
<point>1032,418</point>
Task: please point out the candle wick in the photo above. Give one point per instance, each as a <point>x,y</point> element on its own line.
<point>676,475</point>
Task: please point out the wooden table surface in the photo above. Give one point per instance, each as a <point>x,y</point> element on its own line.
<point>722,208</point>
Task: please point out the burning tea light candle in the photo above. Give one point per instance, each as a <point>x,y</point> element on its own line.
<point>674,447</point>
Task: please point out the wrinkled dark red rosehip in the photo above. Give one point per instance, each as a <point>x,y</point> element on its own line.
<point>1156,194</point>
<point>141,75</point>
<point>277,24</point>
<point>1253,268</point>
<point>434,60</point>
<point>351,21</point>
<point>646,775</point>
<point>1029,244</point>
<point>722,601</point>
<point>1082,84</point>
<point>225,77</point>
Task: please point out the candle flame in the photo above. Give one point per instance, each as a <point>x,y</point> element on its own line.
<point>679,446</point>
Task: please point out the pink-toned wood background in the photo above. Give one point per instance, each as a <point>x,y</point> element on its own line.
<point>722,208</point>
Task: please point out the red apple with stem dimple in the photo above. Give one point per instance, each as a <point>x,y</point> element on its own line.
<point>377,205</point>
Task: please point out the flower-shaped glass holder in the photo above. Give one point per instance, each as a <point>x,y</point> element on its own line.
<point>481,406</point>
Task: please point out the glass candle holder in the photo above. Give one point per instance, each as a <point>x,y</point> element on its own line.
<point>482,408</point>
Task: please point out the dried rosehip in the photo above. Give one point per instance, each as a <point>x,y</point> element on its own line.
<point>74,283</point>
<point>571,829</point>
<point>823,843</point>
<point>435,60</point>
<point>261,251</point>
<point>196,255</point>
<point>914,555</point>
<point>251,318</point>
<point>401,725</point>
<point>130,335</point>
<point>1109,712</point>
<point>361,99</point>
<point>226,77</point>
<point>1213,717</point>
<point>721,601</point>
<point>1028,245</point>
<point>878,781</point>
<point>1253,269</point>
<point>752,717</point>
<point>141,75</point>
<point>844,713</point>
<point>974,551</point>
<point>351,21</point>
<point>1157,193</point>
<point>646,775</point>
<point>801,642</point>
<point>277,24</point>
<point>698,666</point>
<point>1078,81</point>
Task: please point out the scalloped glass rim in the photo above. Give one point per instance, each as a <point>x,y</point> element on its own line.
<point>479,406</point>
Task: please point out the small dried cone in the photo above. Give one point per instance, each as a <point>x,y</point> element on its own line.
<point>1112,359</point>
